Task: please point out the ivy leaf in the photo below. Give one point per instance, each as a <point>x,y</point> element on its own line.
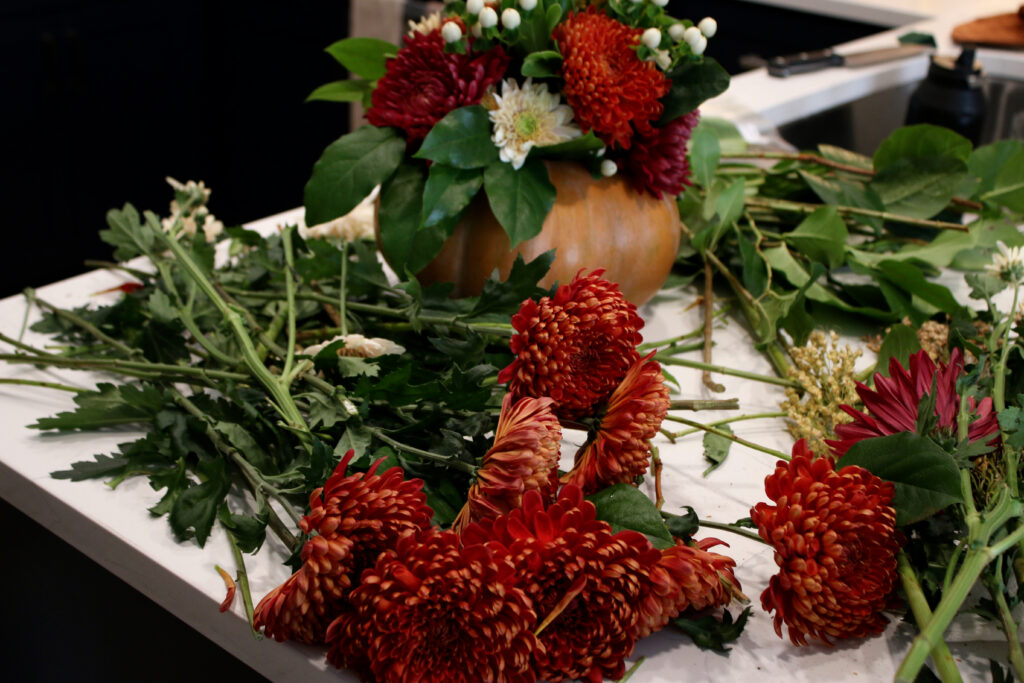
<point>349,169</point>
<point>366,57</point>
<point>626,507</point>
<point>401,200</point>
<point>921,141</point>
<point>461,139</point>
<point>710,633</point>
<point>821,236</point>
<point>926,477</point>
<point>543,64</point>
<point>341,91</point>
<point>195,509</point>
<point>448,191</point>
<point>716,448</point>
<point>692,84</point>
<point>519,199</point>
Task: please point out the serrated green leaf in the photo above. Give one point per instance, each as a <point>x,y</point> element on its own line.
<point>919,142</point>
<point>448,191</point>
<point>108,406</point>
<point>716,449</point>
<point>127,233</point>
<point>709,633</point>
<point>821,236</point>
<point>341,91</point>
<point>626,507</point>
<point>161,307</point>
<point>249,531</point>
<point>521,284</point>
<point>101,466</point>
<point>195,509</point>
<point>461,139</point>
<point>520,200</point>
<point>244,442</point>
<point>365,57</point>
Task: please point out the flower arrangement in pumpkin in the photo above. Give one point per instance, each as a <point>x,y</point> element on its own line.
<point>477,97</point>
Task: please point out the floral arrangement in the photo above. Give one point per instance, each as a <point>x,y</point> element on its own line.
<point>478,97</point>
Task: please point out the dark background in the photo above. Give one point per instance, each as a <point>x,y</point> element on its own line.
<point>100,101</point>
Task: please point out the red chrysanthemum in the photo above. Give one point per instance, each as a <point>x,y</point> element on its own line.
<point>524,458</point>
<point>354,518</point>
<point>687,578</point>
<point>892,405</point>
<point>574,347</point>
<point>423,83</point>
<point>610,89</point>
<point>656,163</point>
<point>432,610</point>
<point>835,541</point>
<point>619,450</point>
<point>585,582</point>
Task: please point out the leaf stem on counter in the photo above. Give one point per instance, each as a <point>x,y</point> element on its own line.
<point>732,437</point>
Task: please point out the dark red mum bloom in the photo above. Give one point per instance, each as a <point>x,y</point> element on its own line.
<point>657,163</point>
<point>585,582</point>
<point>354,518</point>
<point>892,405</point>
<point>574,347</point>
<point>835,542</point>
<point>524,458</point>
<point>620,449</point>
<point>423,83</point>
<point>432,610</point>
<point>610,89</point>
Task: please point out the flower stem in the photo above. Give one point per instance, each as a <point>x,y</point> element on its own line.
<point>922,612</point>
<point>78,321</point>
<point>342,313</point>
<point>289,291</point>
<point>47,385</point>
<point>656,467</point>
<point>732,437</point>
<point>242,578</point>
<point>768,379</point>
<point>804,207</point>
<point>448,460</point>
<point>709,316</point>
<point>1015,656</point>
<point>632,670</point>
<point>738,418</point>
<point>733,529</point>
<point>140,369</point>
<point>711,404</point>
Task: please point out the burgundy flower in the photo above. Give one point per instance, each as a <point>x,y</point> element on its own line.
<point>892,405</point>
<point>354,518</point>
<point>656,162</point>
<point>432,610</point>
<point>423,83</point>
<point>574,347</point>
<point>835,542</point>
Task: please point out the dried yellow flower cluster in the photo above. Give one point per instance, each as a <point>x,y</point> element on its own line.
<point>825,371</point>
<point>934,339</point>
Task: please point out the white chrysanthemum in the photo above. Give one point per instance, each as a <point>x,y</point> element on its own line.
<point>358,346</point>
<point>355,225</point>
<point>1007,264</point>
<point>425,25</point>
<point>528,117</point>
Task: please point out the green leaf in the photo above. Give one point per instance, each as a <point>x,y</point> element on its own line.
<point>366,57</point>
<point>357,439</point>
<point>708,633</point>
<point>626,507</point>
<point>845,156</point>
<point>578,148</point>
<point>401,200</point>
<point>730,140</point>
<point>821,236</point>
<point>244,442</point>
<point>921,141</point>
<point>448,191</point>
<point>919,187</point>
<point>195,509</point>
<point>552,16</point>
<point>910,278</point>
<point>543,64</point>
<point>692,84</point>
<point>341,91</point>
<point>926,477</point>
<point>506,297</point>
<point>461,139</point>
<point>986,162</point>
<point>728,208</point>
<point>161,307</point>
<point>349,169</point>
<point>249,531</point>
<point>101,466</point>
<point>683,526</point>
<point>827,189</point>
<point>1009,184</point>
<point>108,406</point>
<point>130,237</point>
<point>716,448</point>
<point>899,344</point>
<point>704,154</point>
<point>520,200</point>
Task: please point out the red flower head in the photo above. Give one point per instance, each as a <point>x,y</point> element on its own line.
<point>835,542</point>
<point>431,610</point>
<point>688,578</point>
<point>610,89</point>
<point>524,458</point>
<point>656,163</point>
<point>585,582</point>
<point>892,406</point>
<point>618,452</point>
<point>423,83</point>
<point>355,518</point>
<point>574,347</point>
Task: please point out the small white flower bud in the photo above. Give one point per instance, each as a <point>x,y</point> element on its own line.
<point>451,32</point>
<point>488,18</point>
<point>510,18</point>
<point>651,38</point>
<point>675,32</point>
<point>474,6</point>
<point>699,47</point>
<point>608,168</point>
<point>692,35</point>
<point>708,26</point>
<point>476,30</point>
<point>660,3</point>
<point>527,5</point>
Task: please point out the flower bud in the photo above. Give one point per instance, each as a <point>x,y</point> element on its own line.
<point>660,3</point>
<point>692,35</point>
<point>675,32</point>
<point>451,32</point>
<point>651,38</point>
<point>699,47</point>
<point>476,30</point>
<point>708,26</point>
<point>474,6</point>
<point>510,19</point>
<point>608,168</point>
<point>527,5</point>
<point>488,18</point>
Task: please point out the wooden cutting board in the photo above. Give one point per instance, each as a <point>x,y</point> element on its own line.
<point>1002,30</point>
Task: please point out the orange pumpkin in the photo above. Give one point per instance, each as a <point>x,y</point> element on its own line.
<point>602,223</point>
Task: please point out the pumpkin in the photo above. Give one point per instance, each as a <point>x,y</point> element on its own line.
<point>595,223</point>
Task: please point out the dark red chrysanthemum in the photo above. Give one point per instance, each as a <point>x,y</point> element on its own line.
<point>619,450</point>
<point>610,89</point>
<point>524,458</point>
<point>585,582</point>
<point>354,518</point>
<point>892,405</point>
<point>423,83</point>
<point>687,577</point>
<point>574,347</point>
<point>657,163</point>
<point>432,610</point>
<point>835,541</point>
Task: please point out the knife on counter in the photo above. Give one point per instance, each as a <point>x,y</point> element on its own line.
<point>803,62</point>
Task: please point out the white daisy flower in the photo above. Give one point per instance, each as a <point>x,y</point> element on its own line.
<point>1007,264</point>
<point>529,117</point>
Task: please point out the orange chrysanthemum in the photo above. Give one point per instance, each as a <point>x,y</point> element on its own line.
<point>524,458</point>
<point>574,347</point>
<point>354,518</point>
<point>585,582</point>
<point>432,610</point>
<point>688,578</point>
<point>619,450</point>
<point>610,89</point>
<point>835,542</point>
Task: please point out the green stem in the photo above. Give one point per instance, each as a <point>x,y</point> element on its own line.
<point>803,207</point>
<point>999,371</point>
<point>342,313</point>
<point>289,291</point>
<point>242,579</point>
<point>768,379</point>
<point>719,423</point>
<point>709,404</point>
<point>632,670</point>
<point>25,347</point>
<point>732,437</point>
<point>47,385</point>
<point>1014,653</point>
<point>140,369</point>
<point>78,321</point>
<point>922,612</point>
<point>448,460</point>
<point>733,529</point>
